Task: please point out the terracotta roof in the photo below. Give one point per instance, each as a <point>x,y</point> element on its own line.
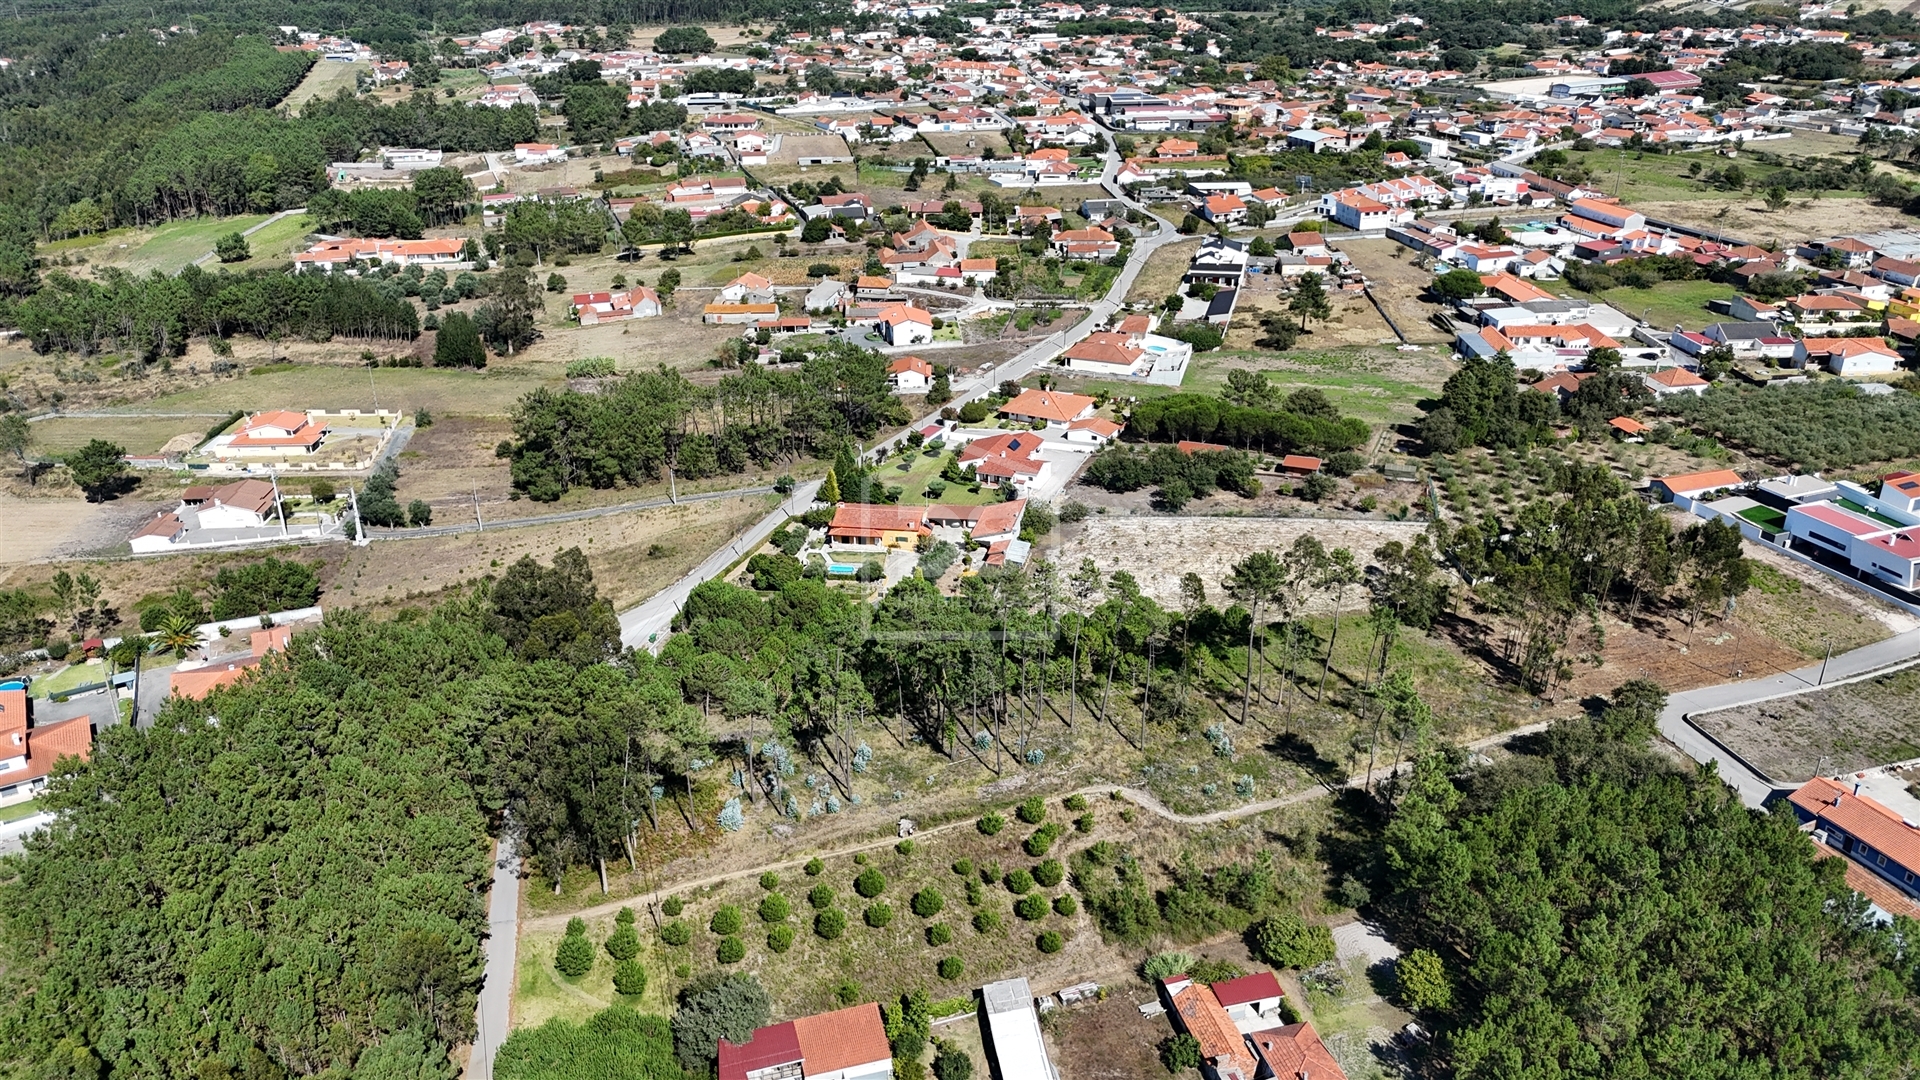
<point>1862,818</point>
<point>1099,425</point>
<point>49,743</point>
<point>999,518</point>
<point>904,364</point>
<point>1295,1052</point>
<point>167,525</point>
<point>200,682</point>
<point>776,1044</point>
<point>1220,1041</point>
<point>866,519</point>
<point>1677,378</point>
<point>841,1040</point>
<point>1247,988</point>
<point>1700,481</point>
<point>254,495</point>
<point>1048,405</point>
<point>1189,446</point>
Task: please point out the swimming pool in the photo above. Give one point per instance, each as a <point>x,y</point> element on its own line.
<point>842,568</point>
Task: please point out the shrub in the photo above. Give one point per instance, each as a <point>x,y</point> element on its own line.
<point>726,921</point>
<point>1083,823</point>
<point>950,969</point>
<point>673,906</point>
<point>676,933</point>
<point>870,883</point>
<point>769,881</point>
<point>1161,965</point>
<point>820,896</point>
<point>1033,811</point>
<point>975,892</point>
<point>879,914</point>
<point>1019,882</point>
<point>991,823</point>
<point>905,847</point>
<point>574,956</point>
<point>1178,1052</point>
<point>860,859</point>
<point>989,872</point>
<point>1041,841</point>
<point>774,908</point>
<point>1050,942</point>
<point>731,951</point>
<point>963,867</point>
<point>780,938</point>
<point>1287,940</point>
<point>1031,907</point>
<point>848,992</point>
<point>950,1062</point>
<point>986,922</point>
<point>624,944</point>
<point>1423,980</point>
<point>1075,803</point>
<point>625,917</point>
<point>1208,970</point>
<point>939,934</point>
<point>1064,905</point>
<point>629,978</point>
<point>1049,873</point>
<point>928,902</point>
<point>830,923</point>
<point>814,867</point>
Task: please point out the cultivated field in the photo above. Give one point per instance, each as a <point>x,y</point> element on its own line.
<point>793,147</point>
<point>1837,730</point>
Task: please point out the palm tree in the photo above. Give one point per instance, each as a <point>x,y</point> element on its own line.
<point>1253,581</point>
<point>178,633</point>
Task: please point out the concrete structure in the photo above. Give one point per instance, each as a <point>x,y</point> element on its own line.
<point>1012,1030</point>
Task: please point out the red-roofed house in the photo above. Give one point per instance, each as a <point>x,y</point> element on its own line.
<point>1681,489</point>
<point>1295,1052</point>
<point>1847,356</point>
<point>1051,406</point>
<point>28,753</point>
<point>1249,996</point>
<point>1667,382</point>
<point>280,433</point>
<point>910,374</point>
<point>1094,431</point>
<point>1007,459</point>
<point>1224,1053</point>
<point>850,1044</point>
<point>1881,845</point>
<point>868,525</point>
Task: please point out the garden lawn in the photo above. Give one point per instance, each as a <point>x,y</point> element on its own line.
<point>924,469</point>
<point>19,810</point>
<point>1667,304</point>
<point>67,678</point>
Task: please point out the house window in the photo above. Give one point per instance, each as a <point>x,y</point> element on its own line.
<point>1882,861</point>
<point>1908,878</point>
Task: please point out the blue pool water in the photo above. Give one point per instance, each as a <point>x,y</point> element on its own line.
<point>842,568</point>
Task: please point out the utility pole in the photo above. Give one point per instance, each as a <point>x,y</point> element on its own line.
<point>1823,663</point>
<point>359,530</point>
<point>478,525</point>
<point>278,506</point>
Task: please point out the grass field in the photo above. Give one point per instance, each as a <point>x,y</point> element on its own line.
<point>315,386</point>
<point>167,248</point>
<point>139,435</point>
<point>1353,379</point>
<point>1668,303</point>
<point>276,243</point>
<point>921,469</point>
<point>20,810</point>
<point>67,678</point>
<point>1161,276</point>
<point>323,81</point>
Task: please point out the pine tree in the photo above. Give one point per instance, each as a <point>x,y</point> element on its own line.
<point>830,491</point>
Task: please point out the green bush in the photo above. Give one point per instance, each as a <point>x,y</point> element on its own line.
<point>814,867</point>
<point>1075,803</point>
<point>963,867</point>
<point>860,859</point>
<point>949,1061</point>
<point>726,921</point>
<point>1019,882</point>
<point>1064,905</point>
<point>879,914</point>
<point>870,883</point>
<point>951,968</point>
<point>830,924</point>
<point>820,897</point>
<point>939,934</point>
<point>780,938</point>
<point>1031,907</point>
<point>991,823</point>
<point>848,992</point>
<point>905,847</point>
<point>673,906</point>
<point>624,944</point>
<point>1049,873</point>
<point>1180,1052</point>
<point>975,892</point>
<point>1287,940</point>
<point>1423,980</point>
<point>676,933</point>
<point>1208,970</point>
<point>1050,942</point>
<point>625,917</point>
<point>1032,810</point>
<point>574,956</point>
<point>774,908</point>
<point>986,922</point>
<point>1083,823</point>
<point>629,978</point>
<point>928,902</point>
<point>1160,965</point>
<point>731,951</point>
<point>1042,840</point>
<point>769,881</point>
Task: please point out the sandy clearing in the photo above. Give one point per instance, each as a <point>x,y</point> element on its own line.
<point>1157,551</point>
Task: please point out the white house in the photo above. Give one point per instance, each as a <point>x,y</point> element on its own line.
<point>1847,356</point>
<point>850,1044</point>
<point>910,374</point>
<point>901,324</point>
<point>592,309</point>
<point>538,153</point>
<point>748,288</point>
<point>243,504</point>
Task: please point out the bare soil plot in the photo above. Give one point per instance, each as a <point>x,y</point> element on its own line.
<point>1838,729</point>
<point>1746,216</point>
<point>1160,277</point>
<point>1355,321</point>
<point>41,528</point>
<point>794,147</point>
<point>1158,550</point>
<point>1110,1040</point>
<point>1399,285</point>
<point>633,555</point>
<point>963,143</point>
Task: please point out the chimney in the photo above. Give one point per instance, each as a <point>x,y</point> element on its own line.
<point>1856,788</point>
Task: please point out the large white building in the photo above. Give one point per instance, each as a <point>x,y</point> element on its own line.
<point>1013,1032</point>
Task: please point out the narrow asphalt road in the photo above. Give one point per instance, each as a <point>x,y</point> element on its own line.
<point>503,943</point>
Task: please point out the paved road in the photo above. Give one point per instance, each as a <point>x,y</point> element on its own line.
<point>1754,789</point>
<point>503,942</point>
<point>570,515</point>
<point>655,616</point>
